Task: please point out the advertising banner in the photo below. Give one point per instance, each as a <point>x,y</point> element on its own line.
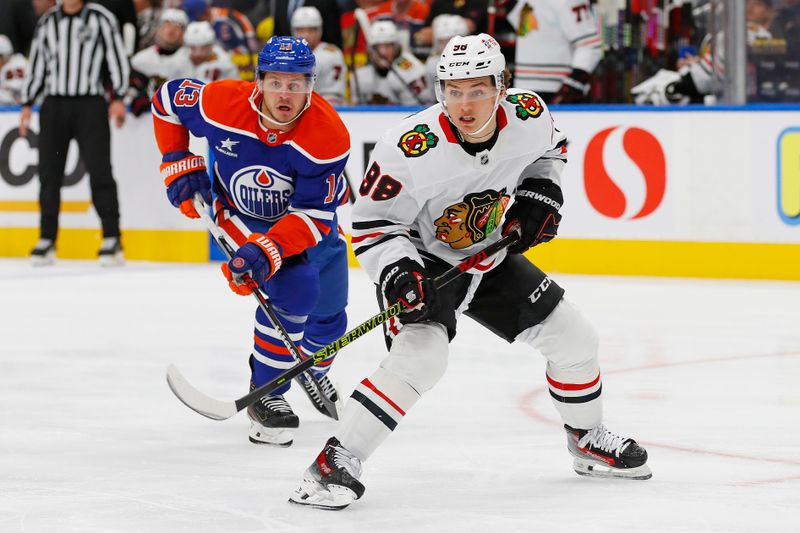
<point>724,176</point>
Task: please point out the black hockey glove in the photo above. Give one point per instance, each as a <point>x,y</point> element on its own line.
<point>407,281</point>
<point>535,211</point>
<point>574,89</point>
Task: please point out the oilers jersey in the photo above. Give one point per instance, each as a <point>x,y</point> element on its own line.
<point>425,196</point>
<point>285,183</point>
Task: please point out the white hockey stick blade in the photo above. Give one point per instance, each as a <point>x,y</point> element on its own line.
<point>196,400</point>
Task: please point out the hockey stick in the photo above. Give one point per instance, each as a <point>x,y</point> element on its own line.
<point>264,304</point>
<point>221,410</point>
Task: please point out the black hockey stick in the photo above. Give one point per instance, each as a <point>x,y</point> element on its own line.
<point>221,410</point>
<point>264,304</point>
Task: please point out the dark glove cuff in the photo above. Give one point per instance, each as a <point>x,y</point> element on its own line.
<point>170,157</point>
<point>540,191</point>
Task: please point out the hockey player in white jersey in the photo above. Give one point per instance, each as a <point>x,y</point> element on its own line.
<point>393,75</point>
<point>331,70</point>
<point>12,73</point>
<point>202,58</point>
<point>162,61</point>
<point>557,49</point>
<point>445,27</point>
<point>440,187</point>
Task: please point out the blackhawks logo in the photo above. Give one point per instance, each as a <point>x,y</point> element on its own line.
<point>416,142</point>
<point>471,220</point>
<point>527,105</point>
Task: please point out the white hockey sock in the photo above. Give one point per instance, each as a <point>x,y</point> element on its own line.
<point>570,344</point>
<point>374,409</point>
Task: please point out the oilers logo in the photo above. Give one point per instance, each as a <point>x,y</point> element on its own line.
<point>261,192</point>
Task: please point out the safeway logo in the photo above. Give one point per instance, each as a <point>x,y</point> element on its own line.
<point>625,172</point>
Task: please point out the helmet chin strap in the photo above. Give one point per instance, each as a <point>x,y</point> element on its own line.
<point>489,120</point>
<point>252,100</point>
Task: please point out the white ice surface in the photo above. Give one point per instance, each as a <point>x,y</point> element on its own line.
<point>704,373</point>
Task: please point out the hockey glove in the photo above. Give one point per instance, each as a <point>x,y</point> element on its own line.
<point>535,211</point>
<point>254,262</point>
<point>407,281</point>
<point>185,174</point>
<point>574,89</point>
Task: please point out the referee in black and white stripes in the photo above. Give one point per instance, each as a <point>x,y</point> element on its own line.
<point>75,45</point>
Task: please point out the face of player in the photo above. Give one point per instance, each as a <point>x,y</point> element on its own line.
<point>285,95</point>
<point>384,54</point>
<point>470,104</point>
<point>312,35</point>
<point>200,54</point>
<point>757,11</point>
<point>169,35</point>
<point>71,6</point>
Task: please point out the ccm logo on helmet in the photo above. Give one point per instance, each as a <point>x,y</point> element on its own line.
<point>458,64</point>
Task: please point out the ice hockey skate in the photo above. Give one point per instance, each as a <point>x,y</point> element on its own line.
<point>328,389</point>
<point>331,482</point>
<point>43,253</point>
<point>600,453</point>
<point>272,421</point>
<point>110,253</point>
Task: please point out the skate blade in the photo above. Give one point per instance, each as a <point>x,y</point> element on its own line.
<point>272,436</point>
<point>311,493</point>
<point>585,467</point>
<point>114,260</point>
<point>43,260</point>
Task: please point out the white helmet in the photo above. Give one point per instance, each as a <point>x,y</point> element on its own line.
<point>306,17</point>
<point>5,46</point>
<point>473,56</point>
<point>448,26</point>
<point>199,34</point>
<point>176,16</point>
<point>383,32</point>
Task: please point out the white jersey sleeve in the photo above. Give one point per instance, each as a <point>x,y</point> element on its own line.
<point>218,67</point>
<point>331,73</point>
<point>385,211</point>
<point>580,27</point>
<point>553,38</point>
<point>409,81</point>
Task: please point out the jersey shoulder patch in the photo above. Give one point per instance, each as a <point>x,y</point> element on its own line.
<point>526,105</point>
<point>417,141</point>
<point>403,63</point>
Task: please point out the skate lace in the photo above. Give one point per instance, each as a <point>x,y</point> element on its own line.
<point>602,438</point>
<point>344,459</point>
<point>327,387</point>
<point>276,403</point>
<point>325,384</point>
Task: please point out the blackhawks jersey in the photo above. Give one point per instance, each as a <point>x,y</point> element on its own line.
<point>289,183</point>
<point>12,78</point>
<point>425,196</point>
<point>553,38</point>
<point>331,72</point>
<point>217,67</point>
<point>405,84</point>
